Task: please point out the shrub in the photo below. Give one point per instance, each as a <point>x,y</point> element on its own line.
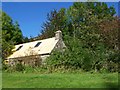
<point>79,56</point>
<point>4,67</point>
<point>19,67</point>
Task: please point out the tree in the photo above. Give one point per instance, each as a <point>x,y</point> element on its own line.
<point>88,36</point>
<point>109,30</point>
<point>11,35</point>
<point>55,21</point>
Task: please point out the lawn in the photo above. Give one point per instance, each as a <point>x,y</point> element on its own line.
<point>59,80</point>
<point>0,79</point>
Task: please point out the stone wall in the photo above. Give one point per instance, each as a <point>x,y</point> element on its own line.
<point>33,60</point>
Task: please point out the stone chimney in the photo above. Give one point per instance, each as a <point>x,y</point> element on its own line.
<point>58,35</point>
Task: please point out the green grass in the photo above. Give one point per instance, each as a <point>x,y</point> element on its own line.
<point>59,80</point>
<point>0,79</point>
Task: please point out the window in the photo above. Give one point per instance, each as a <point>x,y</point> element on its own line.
<point>37,44</point>
<point>19,47</point>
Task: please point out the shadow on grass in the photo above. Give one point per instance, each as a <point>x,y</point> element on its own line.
<point>112,86</point>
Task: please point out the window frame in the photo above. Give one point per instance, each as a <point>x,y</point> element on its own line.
<point>38,44</point>
<point>19,47</point>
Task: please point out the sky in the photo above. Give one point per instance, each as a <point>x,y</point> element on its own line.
<point>31,16</point>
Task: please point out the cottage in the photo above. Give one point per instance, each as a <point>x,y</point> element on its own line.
<point>33,53</point>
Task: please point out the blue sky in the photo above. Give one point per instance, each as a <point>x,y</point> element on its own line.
<point>31,16</point>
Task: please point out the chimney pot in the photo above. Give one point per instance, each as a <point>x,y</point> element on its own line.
<point>58,35</point>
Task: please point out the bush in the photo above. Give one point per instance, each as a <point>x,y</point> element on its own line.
<point>4,67</point>
<point>19,67</point>
<point>78,56</point>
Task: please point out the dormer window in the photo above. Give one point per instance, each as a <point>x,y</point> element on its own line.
<point>37,44</point>
<point>19,47</point>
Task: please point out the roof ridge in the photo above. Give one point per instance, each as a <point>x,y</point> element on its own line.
<point>34,41</point>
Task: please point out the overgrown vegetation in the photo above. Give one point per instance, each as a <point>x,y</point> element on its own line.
<point>90,32</point>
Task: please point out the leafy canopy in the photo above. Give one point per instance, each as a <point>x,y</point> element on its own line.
<point>11,35</point>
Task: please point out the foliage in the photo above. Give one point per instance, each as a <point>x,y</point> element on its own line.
<point>79,56</point>
<point>109,30</point>
<point>55,21</point>
<point>4,67</point>
<point>15,68</point>
<point>11,35</point>
<point>90,32</point>
<point>19,67</point>
<point>6,48</point>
